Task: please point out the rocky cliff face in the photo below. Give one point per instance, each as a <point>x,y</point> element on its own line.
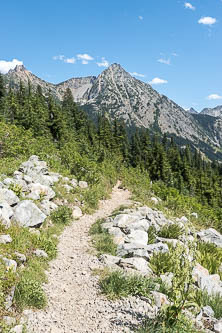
<point>214,112</point>
<point>117,94</point>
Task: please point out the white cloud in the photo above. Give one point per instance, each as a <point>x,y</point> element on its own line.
<point>175,54</point>
<point>137,74</point>
<point>70,60</point>
<point>214,97</point>
<point>64,59</point>
<point>140,18</point>
<point>189,6</point>
<point>207,20</point>
<point>85,58</point>
<point>157,80</point>
<point>164,61</point>
<point>103,63</point>
<point>5,66</point>
<point>59,57</point>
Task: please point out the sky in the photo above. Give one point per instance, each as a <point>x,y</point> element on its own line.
<point>174,45</point>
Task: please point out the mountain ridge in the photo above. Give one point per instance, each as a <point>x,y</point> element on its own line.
<point>117,94</point>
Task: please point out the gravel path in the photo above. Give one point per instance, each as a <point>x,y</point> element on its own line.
<point>74,300</point>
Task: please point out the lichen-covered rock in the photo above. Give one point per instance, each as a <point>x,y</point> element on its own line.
<point>27,214</point>
<point>8,196</point>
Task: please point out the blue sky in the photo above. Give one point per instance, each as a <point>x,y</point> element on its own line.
<point>176,45</point>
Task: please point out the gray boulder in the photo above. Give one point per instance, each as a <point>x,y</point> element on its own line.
<point>6,213</point>
<point>8,196</point>
<point>10,264</point>
<point>27,214</point>
<point>124,220</point>
<point>42,190</point>
<point>158,247</point>
<point>17,329</point>
<point>47,207</point>
<point>137,236</point>
<point>132,250</point>
<point>83,184</point>
<point>138,264</point>
<point>76,212</point>
<point>142,225</point>
<point>207,311</point>
<point>108,260</point>
<point>211,236</point>
<point>159,299</point>
<point>218,326</point>
<point>40,253</point>
<point>5,239</point>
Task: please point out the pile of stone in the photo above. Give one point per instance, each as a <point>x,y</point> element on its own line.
<point>130,233</point>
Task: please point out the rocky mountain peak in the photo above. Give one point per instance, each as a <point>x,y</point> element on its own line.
<point>18,69</point>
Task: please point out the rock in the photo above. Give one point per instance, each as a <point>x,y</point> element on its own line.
<point>174,242</point>
<point>68,188</point>
<point>18,175</point>
<point>8,181</point>
<point>167,279</point>
<point>139,225</point>
<point>47,207</point>
<point>74,182</point>
<point>211,236</point>
<point>83,184</point>
<point>107,225</point>
<point>182,219</point>
<point>9,320</point>
<point>194,215</point>
<point>8,196</point>
<point>5,239</point>
<point>137,236</point>
<point>17,329</point>
<point>218,326</point>
<point>9,299</point>
<point>108,260</point>
<point>76,212</point>
<point>21,257</point>
<point>158,247</point>
<point>10,264</point>
<point>124,220</point>
<point>159,299</point>
<point>154,200</point>
<point>42,190</point>
<point>207,311</point>
<point>28,179</point>
<point>132,250</point>
<point>6,213</point>
<point>138,264</point>
<point>40,253</point>
<point>210,283</point>
<point>27,214</point>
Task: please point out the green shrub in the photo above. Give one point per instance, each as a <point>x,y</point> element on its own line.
<point>172,231</point>
<point>210,257</point>
<point>101,239</point>
<point>117,285</point>
<point>29,293</point>
<point>48,245</point>
<point>62,215</point>
<point>161,263</point>
<point>215,302</point>
<point>151,235</point>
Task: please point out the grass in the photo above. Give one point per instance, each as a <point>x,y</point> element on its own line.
<point>210,257</point>
<point>101,239</point>
<point>160,325</point>
<point>116,285</point>
<point>215,302</point>
<point>161,263</point>
<point>172,231</point>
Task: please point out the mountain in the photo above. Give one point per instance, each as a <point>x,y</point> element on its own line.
<point>119,95</point>
<point>192,110</point>
<point>214,112</point>
<point>79,86</point>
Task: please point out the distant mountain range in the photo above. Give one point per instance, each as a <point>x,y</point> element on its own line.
<point>119,95</point>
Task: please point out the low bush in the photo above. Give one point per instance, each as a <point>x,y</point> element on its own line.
<point>210,257</point>
<point>117,285</point>
<point>215,302</point>
<point>172,231</point>
<point>29,293</point>
<point>62,215</point>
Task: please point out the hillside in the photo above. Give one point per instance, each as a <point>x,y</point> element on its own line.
<point>117,94</point>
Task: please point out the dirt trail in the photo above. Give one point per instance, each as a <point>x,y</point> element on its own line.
<point>74,300</point>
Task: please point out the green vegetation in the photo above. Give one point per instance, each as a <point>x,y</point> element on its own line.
<point>215,302</point>
<point>210,257</point>
<point>62,215</point>
<point>102,240</point>
<point>172,231</point>
<point>116,285</point>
